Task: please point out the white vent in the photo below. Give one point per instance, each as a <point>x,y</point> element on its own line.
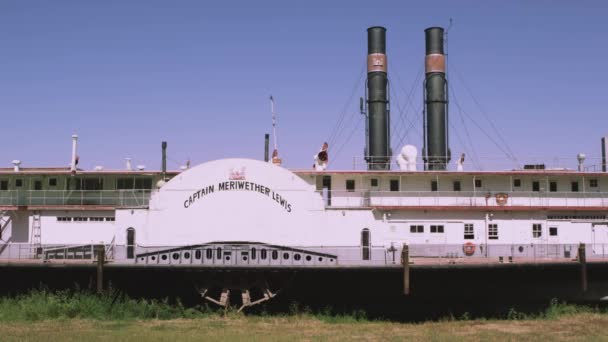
<point>16,165</point>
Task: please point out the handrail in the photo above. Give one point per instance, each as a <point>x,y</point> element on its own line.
<point>366,198</point>
<point>119,198</point>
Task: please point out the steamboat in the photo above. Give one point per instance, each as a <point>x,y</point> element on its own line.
<point>238,225</point>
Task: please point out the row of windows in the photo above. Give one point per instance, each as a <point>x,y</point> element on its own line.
<point>420,229</point>
<point>85,219</point>
<point>593,183</point>
<point>469,230</point>
<point>393,184</point>
<point>85,183</point>
<point>457,186</point>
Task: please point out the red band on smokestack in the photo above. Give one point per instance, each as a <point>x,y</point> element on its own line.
<point>376,62</point>
<point>435,63</point>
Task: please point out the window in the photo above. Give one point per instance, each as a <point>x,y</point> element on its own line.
<point>517,183</point>
<point>96,219</point>
<point>93,184</point>
<point>456,185</point>
<point>436,229</point>
<point>350,185</point>
<point>64,219</point>
<point>81,219</point>
<point>124,183</point>
<point>253,253</point>
<point>365,244</point>
<point>553,186</point>
<point>52,181</point>
<point>394,185</point>
<point>469,232</point>
<point>18,183</point>
<point>38,185</point>
<point>593,183</point>
<point>574,187</point>
<point>493,231</point>
<point>130,243</point>
<point>417,229</point>
<point>143,183</point>
<point>374,182</point>
<point>537,230</point>
<point>433,185</point>
<point>3,185</point>
<point>552,231</point>
<point>110,218</point>
<point>478,183</point>
<point>536,186</point>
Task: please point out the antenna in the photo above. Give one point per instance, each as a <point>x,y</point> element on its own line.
<point>274,122</point>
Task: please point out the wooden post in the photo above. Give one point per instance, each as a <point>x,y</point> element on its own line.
<point>100,261</point>
<point>582,259</point>
<point>405,261</point>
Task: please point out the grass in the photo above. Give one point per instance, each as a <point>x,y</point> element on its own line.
<point>77,315</point>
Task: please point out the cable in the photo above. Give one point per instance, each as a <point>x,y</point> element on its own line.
<point>332,136</point>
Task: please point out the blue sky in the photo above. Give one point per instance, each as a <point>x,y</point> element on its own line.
<point>125,75</point>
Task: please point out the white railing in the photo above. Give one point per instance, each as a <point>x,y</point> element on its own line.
<point>207,255</point>
<point>462,198</point>
<point>120,198</point>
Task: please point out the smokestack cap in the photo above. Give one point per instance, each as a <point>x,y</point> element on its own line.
<point>434,40</point>
<point>376,39</point>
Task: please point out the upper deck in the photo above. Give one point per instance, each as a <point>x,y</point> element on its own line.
<point>55,188</point>
<point>462,190</point>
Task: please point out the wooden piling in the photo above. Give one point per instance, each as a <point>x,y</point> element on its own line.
<point>582,259</point>
<point>101,254</point>
<point>405,261</point>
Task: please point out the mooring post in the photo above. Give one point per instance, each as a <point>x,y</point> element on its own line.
<point>100,261</point>
<point>582,259</point>
<point>405,261</point>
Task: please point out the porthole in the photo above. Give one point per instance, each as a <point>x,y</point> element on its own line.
<point>297,257</point>
<point>175,256</point>
<point>285,255</point>
<point>153,258</point>
<point>308,258</point>
<point>521,249</point>
<point>198,254</point>
<point>187,255</point>
<point>227,257</point>
<point>320,259</point>
<point>244,258</point>
<point>332,260</point>
<point>164,257</point>
<point>275,255</point>
<point>141,259</point>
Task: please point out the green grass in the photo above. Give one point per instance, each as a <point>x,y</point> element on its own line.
<point>77,316</point>
<point>42,304</point>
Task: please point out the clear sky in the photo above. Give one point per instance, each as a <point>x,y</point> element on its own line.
<point>125,75</point>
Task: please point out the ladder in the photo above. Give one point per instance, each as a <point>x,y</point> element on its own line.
<point>36,234</point>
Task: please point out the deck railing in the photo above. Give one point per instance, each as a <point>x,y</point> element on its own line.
<point>431,254</point>
<point>118,198</point>
<point>463,198</point>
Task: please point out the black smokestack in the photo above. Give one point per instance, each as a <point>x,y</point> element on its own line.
<point>378,151</point>
<point>163,146</point>
<point>436,153</point>
<point>604,153</point>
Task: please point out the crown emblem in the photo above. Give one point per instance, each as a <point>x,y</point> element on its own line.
<point>236,174</point>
